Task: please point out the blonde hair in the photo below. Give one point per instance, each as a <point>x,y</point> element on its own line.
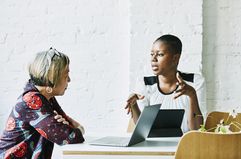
<point>47,67</point>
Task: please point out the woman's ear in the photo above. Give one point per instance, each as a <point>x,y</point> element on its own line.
<point>176,58</point>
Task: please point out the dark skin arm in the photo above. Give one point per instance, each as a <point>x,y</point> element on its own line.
<point>195,116</point>
<point>132,106</point>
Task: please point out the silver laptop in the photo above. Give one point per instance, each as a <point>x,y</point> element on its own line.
<point>139,134</point>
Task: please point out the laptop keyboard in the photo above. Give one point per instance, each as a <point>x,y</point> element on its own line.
<point>112,140</point>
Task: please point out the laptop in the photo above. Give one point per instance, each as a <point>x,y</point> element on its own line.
<point>139,134</point>
<point>167,123</point>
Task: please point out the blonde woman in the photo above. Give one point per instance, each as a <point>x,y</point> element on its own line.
<point>37,121</point>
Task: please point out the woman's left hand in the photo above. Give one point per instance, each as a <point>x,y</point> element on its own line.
<point>184,88</point>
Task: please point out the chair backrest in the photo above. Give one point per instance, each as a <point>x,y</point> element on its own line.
<point>214,118</point>
<point>205,145</point>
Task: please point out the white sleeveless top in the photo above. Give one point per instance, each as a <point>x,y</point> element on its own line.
<point>149,88</point>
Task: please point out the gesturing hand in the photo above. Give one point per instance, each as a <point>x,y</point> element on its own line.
<point>184,88</point>
<point>132,101</point>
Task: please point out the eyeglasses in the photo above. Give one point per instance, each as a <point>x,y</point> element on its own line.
<point>55,53</point>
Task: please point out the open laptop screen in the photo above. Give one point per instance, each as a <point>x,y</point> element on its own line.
<point>139,134</point>
<point>167,123</point>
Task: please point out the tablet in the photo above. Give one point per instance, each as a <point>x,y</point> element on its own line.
<point>167,123</point>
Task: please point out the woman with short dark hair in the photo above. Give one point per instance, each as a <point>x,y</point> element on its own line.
<point>168,86</point>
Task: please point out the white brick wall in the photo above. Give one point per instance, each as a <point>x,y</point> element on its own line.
<point>151,19</point>
<point>95,35</point>
<point>108,42</point>
<point>100,37</point>
<point>222,53</point>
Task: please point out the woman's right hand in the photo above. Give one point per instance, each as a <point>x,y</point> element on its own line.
<point>132,101</point>
<point>73,122</point>
<point>60,118</point>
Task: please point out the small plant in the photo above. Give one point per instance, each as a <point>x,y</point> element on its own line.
<point>223,126</point>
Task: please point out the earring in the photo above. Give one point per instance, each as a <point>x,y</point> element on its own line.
<point>49,90</point>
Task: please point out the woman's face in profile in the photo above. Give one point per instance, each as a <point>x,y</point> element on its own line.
<point>63,82</point>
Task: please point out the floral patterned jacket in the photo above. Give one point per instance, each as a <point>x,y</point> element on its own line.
<point>31,129</point>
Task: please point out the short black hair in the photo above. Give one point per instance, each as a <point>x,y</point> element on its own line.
<point>173,42</point>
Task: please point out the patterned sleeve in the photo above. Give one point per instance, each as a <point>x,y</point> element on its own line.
<point>43,121</point>
<point>59,110</point>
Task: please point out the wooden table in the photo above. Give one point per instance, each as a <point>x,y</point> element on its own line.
<point>151,148</point>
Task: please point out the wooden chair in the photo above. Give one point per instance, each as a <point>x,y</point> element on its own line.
<point>214,118</point>
<point>205,145</point>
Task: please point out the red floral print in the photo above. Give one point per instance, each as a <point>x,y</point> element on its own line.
<point>20,150</point>
<point>32,100</point>
<point>34,129</point>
